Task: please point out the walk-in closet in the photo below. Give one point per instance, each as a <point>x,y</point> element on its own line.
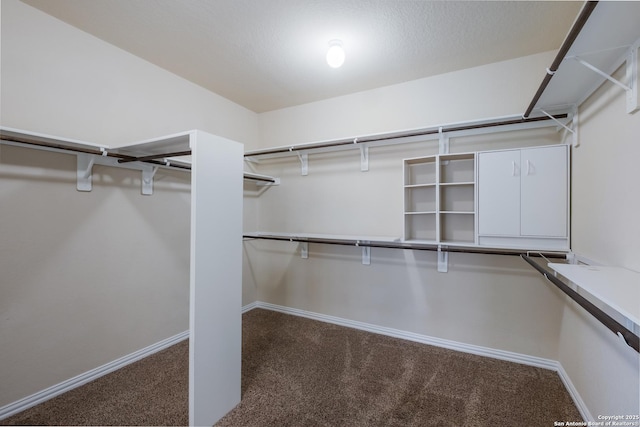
<point>319,212</point>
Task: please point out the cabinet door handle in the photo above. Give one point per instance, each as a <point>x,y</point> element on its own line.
<point>528,167</point>
<point>513,168</point>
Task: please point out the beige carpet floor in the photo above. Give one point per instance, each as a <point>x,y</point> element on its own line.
<point>300,372</point>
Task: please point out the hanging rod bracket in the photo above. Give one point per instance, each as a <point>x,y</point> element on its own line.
<point>443,141</point>
<point>147,179</point>
<point>86,161</point>
<point>85,164</point>
<point>366,253</point>
<point>304,163</point>
<point>443,259</point>
<point>304,250</point>
<point>364,158</point>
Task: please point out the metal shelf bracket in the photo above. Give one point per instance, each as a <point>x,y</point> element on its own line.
<point>304,164</point>
<point>631,89</point>
<point>304,249</point>
<point>366,253</point>
<point>574,130</point>
<point>443,260</point>
<point>364,157</point>
<point>443,142</point>
<point>147,179</point>
<point>85,164</point>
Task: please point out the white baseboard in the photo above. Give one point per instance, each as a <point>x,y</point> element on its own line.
<point>508,356</point>
<point>249,307</point>
<point>77,381</point>
<point>577,399</point>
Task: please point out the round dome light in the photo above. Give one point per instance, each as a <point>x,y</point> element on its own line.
<point>335,54</point>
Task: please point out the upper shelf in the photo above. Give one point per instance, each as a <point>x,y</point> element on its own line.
<point>474,127</point>
<point>617,287</point>
<point>604,42</point>
<point>153,147</point>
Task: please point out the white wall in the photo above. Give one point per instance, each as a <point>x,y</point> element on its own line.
<point>493,90</point>
<point>62,81</point>
<point>90,277</point>
<point>492,301</point>
<point>605,205</point>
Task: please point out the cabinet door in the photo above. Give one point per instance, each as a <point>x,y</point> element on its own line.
<point>499,193</point>
<point>544,191</point>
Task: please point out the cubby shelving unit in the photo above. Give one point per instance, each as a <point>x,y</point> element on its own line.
<point>420,199</point>
<point>439,199</point>
<point>457,205</point>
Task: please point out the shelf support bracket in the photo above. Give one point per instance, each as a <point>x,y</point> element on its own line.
<point>364,158</point>
<point>602,73</point>
<point>573,131</point>
<point>147,180</point>
<point>633,77</point>
<point>304,250</point>
<point>443,140</point>
<point>443,260</point>
<point>304,163</point>
<point>85,168</point>
<point>366,254</point>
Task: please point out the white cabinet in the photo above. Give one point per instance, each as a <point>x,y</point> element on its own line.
<point>515,198</point>
<point>523,198</point>
<point>499,193</point>
<point>544,192</point>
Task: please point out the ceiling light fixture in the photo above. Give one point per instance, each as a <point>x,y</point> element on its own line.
<point>335,54</point>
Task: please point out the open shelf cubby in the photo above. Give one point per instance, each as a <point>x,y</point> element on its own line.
<point>439,198</point>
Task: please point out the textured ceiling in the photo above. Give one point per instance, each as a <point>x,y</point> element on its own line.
<point>270,54</point>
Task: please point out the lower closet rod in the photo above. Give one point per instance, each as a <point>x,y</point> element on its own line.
<point>398,245</point>
<point>629,337</point>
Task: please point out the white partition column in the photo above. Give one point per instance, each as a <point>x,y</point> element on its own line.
<point>216,277</point>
